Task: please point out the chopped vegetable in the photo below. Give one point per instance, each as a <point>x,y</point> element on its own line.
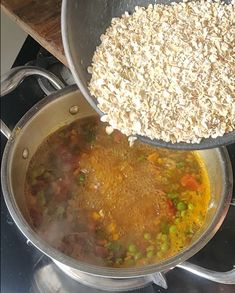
<point>190,206</point>
<point>150,254</point>
<point>181,206</point>
<point>183,213</point>
<point>132,248</point>
<point>189,182</point>
<point>81,178</point>
<point>164,237</point>
<point>147,236</point>
<point>116,206</point>
<point>164,246</point>
<point>138,256</point>
<point>172,229</point>
<point>180,165</point>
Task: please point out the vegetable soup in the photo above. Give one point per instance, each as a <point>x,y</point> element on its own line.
<point>100,201</point>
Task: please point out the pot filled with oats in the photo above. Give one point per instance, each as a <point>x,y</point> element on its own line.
<point>162,73</point>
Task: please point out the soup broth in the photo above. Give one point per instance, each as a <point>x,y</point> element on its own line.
<point>100,201</point>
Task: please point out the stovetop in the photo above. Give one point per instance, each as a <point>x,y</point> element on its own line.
<point>25,269</point>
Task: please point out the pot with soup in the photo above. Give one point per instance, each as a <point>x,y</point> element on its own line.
<point>100,201</point>
<point>97,206</point>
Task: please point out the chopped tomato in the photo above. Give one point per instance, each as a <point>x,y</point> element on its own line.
<point>189,182</point>
<point>171,208</point>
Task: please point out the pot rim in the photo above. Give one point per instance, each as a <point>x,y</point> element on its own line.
<point>55,254</point>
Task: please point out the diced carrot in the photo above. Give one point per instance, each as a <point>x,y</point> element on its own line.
<point>153,158</point>
<point>189,182</point>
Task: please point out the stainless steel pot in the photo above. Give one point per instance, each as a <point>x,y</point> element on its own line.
<point>82,23</point>
<point>59,109</point>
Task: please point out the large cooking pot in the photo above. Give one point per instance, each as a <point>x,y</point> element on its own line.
<point>59,109</point>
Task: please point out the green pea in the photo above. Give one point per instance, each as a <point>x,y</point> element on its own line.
<point>179,165</point>
<point>164,247</point>
<point>150,248</point>
<point>81,178</point>
<point>138,256</point>
<point>164,237</point>
<point>181,206</point>
<point>159,236</point>
<point>147,236</point>
<point>177,220</point>
<point>150,254</point>
<point>132,248</point>
<point>173,229</point>
<point>183,213</point>
<point>190,206</point>
<point>175,201</point>
<point>172,195</point>
<point>130,262</point>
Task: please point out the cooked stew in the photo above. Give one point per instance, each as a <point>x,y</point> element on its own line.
<point>100,201</point>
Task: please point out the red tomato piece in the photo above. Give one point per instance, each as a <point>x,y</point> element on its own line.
<point>171,208</point>
<point>189,182</point>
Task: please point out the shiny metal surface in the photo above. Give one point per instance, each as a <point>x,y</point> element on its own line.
<point>29,133</point>
<point>219,277</point>
<point>114,284</point>
<point>83,22</point>
<point>12,78</point>
<point>5,130</point>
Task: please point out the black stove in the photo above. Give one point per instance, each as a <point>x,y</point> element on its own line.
<point>25,269</point>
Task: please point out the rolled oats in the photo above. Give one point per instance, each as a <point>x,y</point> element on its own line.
<point>168,72</point>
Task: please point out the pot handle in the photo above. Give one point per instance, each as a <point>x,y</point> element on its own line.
<point>12,78</point>
<point>219,277</point>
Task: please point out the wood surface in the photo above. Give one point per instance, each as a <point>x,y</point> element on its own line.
<point>41,20</point>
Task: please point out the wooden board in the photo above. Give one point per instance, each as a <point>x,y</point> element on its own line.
<point>41,20</point>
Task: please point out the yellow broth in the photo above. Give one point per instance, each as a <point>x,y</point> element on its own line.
<point>100,201</point>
